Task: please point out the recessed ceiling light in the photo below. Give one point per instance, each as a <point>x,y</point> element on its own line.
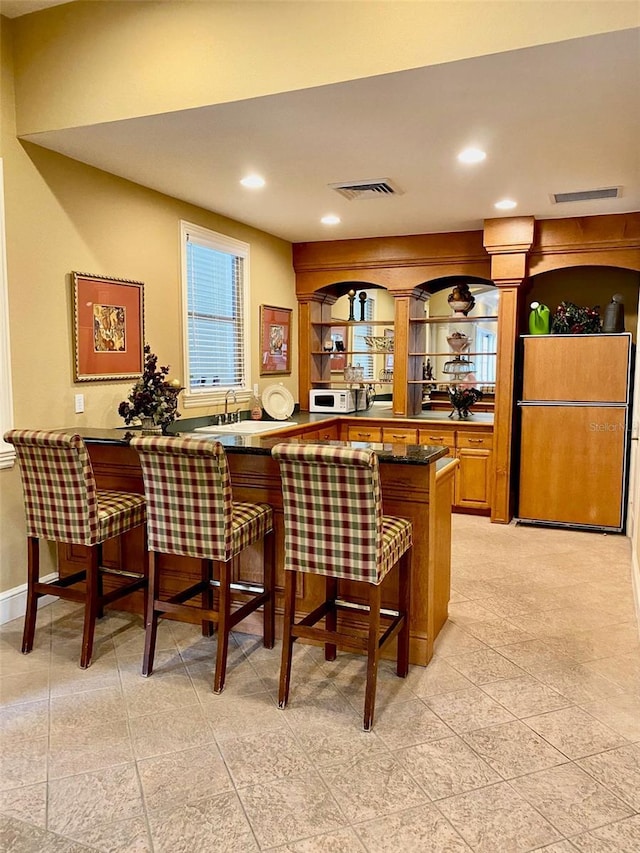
<point>330,219</point>
<point>506,204</point>
<point>471,155</point>
<point>253,182</point>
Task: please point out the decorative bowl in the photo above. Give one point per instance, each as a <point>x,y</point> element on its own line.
<point>379,343</point>
<point>458,341</point>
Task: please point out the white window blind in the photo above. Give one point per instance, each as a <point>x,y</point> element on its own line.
<point>215,289</point>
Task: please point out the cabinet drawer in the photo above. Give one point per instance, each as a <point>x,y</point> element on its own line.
<point>400,436</point>
<point>364,433</point>
<point>328,433</point>
<point>437,435</point>
<point>475,439</point>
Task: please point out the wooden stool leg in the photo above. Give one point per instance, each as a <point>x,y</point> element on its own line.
<point>33,576</point>
<point>287,640</point>
<point>224,614</point>
<point>331,619</point>
<point>151,626</point>
<point>206,573</point>
<point>90,606</point>
<point>145,596</point>
<point>269,607</point>
<point>404,604</point>
<point>99,584</point>
<point>373,650</point>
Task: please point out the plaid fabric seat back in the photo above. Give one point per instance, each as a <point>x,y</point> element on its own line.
<point>60,496</point>
<point>189,499</point>
<point>332,510</point>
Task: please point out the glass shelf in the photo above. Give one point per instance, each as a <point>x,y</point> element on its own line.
<point>451,353</point>
<point>428,320</point>
<point>337,322</point>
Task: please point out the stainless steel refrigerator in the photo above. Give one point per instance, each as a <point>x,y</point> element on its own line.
<point>575,424</point>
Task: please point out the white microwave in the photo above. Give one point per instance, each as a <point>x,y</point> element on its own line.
<point>332,400</point>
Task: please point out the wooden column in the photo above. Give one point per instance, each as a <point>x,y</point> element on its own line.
<point>408,338</point>
<point>509,242</point>
<point>312,308</point>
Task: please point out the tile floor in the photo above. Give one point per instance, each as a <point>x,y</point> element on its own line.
<point>522,734</point>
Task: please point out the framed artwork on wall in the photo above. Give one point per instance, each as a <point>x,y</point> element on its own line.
<point>108,328</point>
<point>275,340</point>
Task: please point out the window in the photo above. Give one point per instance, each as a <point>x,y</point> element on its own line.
<point>485,363</point>
<point>365,361</point>
<point>215,286</point>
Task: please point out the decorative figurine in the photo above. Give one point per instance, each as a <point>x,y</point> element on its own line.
<point>462,399</point>
<point>363,298</point>
<point>427,371</point>
<point>352,299</point>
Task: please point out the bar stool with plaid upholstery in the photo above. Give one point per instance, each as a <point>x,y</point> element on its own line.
<point>334,527</point>
<point>192,513</point>
<point>63,504</point>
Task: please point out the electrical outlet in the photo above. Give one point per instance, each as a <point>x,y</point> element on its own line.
<point>79,404</point>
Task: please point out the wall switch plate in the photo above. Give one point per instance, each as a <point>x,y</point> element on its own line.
<point>79,403</point>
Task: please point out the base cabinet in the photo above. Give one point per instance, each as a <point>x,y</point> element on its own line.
<point>473,479</point>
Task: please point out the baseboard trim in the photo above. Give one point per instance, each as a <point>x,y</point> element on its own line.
<point>635,582</point>
<point>13,602</point>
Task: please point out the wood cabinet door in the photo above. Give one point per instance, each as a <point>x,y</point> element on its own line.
<point>578,368</point>
<point>572,464</point>
<point>473,479</point>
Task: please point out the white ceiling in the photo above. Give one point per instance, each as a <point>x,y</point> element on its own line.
<point>557,118</point>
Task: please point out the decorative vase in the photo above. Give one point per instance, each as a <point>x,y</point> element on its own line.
<point>150,427</point>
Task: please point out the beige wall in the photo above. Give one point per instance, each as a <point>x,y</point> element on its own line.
<point>63,216</point>
<point>76,62</point>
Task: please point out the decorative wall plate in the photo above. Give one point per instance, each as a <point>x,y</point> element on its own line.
<point>278,402</point>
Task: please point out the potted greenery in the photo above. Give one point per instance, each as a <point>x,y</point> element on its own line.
<point>153,399</point>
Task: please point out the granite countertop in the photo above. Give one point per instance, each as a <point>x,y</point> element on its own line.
<point>260,445</point>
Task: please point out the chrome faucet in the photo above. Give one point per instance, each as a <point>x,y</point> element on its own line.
<point>229,419</point>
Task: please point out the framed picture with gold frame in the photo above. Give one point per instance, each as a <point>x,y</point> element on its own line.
<point>108,328</point>
<point>275,340</point>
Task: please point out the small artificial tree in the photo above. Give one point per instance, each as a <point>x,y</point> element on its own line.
<point>152,396</point>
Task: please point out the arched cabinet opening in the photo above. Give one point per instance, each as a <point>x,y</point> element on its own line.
<point>351,341</point>
<point>585,286</point>
<point>456,341</point>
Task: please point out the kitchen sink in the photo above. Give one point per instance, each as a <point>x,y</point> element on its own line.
<point>244,427</point>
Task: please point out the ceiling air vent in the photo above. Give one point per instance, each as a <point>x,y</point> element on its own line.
<point>366,189</point>
<point>587,195</point>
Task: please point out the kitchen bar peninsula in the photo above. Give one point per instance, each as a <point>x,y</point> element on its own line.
<point>417,483</point>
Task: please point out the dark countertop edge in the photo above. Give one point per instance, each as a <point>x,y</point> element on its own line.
<point>257,445</point>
